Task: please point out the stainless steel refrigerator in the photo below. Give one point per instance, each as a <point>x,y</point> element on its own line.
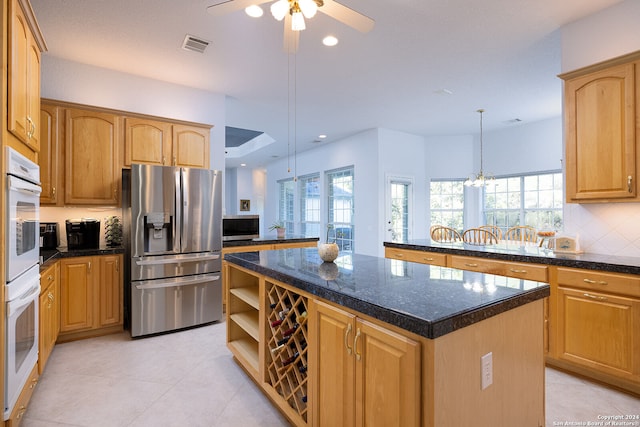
<point>172,221</point>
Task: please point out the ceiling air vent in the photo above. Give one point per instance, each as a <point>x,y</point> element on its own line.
<point>194,44</point>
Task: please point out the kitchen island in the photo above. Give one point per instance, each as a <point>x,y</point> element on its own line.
<point>375,341</point>
<point>592,318</point>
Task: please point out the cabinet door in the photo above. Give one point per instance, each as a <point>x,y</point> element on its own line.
<point>18,71</point>
<point>599,330</point>
<point>147,141</point>
<point>110,298</point>
<point>91,152</point>
<point>333,366</point>
<point>33,95</point>
<point>50,156</point>
<point>601,135</point>
<point>190,146</point>
<point>77,287</point>
<point>388,377</point>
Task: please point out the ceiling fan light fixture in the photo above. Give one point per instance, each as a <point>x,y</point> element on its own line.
<point>330,41</point>
<point>297,21</point>
<point>308,8</point>
<point>279,9</point>
<point>254,11</point>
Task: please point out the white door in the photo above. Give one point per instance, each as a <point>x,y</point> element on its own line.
<point>399,202</point>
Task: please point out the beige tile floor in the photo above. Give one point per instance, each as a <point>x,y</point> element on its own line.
<point>190,379</point>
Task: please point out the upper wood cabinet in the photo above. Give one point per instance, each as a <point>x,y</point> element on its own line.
<point>602,131</point>
<point>162,143</point>
<point>92,167</point>
<point>50,156</point>
<point>25,45</point>
<point>190,146</point>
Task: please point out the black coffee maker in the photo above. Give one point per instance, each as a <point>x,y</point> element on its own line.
<point>83,233</point>
<point>48,235</point>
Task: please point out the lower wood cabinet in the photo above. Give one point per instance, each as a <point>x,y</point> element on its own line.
<point>20,408</point>
<point>365,374</point>
<point>49,313</point>
<point>91,296</point>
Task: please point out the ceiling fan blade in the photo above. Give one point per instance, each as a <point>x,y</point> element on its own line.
<point>291,38</point>
<point>347,16</point>
<point>222,7</point>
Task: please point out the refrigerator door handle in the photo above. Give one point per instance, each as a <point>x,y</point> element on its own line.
<point>195,258</point>
<point>177,228</point>
<point>184,190</point>
<point>176,282</point>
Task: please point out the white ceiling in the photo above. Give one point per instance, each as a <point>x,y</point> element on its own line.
<point>500,55</point>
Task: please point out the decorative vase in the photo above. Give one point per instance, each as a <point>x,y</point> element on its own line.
<point>280,232</point>
<point>328,251</point>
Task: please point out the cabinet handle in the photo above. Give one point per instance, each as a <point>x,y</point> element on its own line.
<point>50,278</point>
<point>346,339</point>
<point>514,270</point>
<point>23,409</point>
<point>355,344</point>
<point>595,297</point>
<point>175,161</point>
<point>53,192</point>
<point>470,264</point>
<point>427,259</point>
<point>399,255</point>
<point>595,282</point>
<point>164,160</point>
<point>117,265</point>
<point>32,127</point>
<point>629,181</point>
<point>89,266</point>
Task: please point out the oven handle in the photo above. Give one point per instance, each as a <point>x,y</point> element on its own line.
<point>23,300</point>
<point>182,260</point>
<point>177,282</point>
<point>24,186</point>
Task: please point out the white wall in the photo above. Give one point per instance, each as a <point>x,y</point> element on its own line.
<point>74,82</point>
<point>611,229</point>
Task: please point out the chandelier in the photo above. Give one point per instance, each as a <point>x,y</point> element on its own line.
<point>299,9</point>
<point>480,180</point>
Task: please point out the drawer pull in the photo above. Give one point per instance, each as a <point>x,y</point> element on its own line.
<point>355,345</point>
<point>399,255</point>
<point>595,297</point>
<point>428,259</point>
<point>514,270</point>
<point>470,264</point>
<point>629,182</point>
<point>346,338</point>
<point>595,282</point>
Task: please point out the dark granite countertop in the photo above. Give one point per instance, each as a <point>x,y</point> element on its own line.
<point>268,240</point>
<point>426,300</point>
<point>64,252</point>
<point>527,253</point>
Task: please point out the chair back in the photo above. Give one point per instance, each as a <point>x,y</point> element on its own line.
<point>522,233</point>
<point>494,229</point>
<point>479,236</point>
<point>445,234</point>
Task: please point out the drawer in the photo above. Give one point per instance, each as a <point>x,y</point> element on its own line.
<point>623,284</point>
<point>422,257</point>
<point>538,273</point>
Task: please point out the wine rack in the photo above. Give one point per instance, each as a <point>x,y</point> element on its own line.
<point>287,338</point>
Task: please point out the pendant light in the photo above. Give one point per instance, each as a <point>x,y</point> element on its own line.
<point>480,180</point>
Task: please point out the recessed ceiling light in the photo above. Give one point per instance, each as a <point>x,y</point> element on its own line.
<point>330,41</point>
<point>323,136</point>
<point>243,164</point>
<point>444,91</point>
<point>254,11</point>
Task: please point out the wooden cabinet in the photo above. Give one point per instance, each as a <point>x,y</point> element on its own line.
<point>422,257</point>
<point>50,157</point>
<point>49,313</point>
<point>22,404</point>
<point>25,45</point>
<point>92,167</point>
<point>602,131</point>
<point>190,146</point>
<point>91,296</point>
<point>597,323</point>
<point>364,374</point>
<point>163,143</point>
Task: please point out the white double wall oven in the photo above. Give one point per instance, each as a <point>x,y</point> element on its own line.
<point>22,287</point>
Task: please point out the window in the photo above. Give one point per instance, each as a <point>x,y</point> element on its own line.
<point>340,207</point>
<point>286,192</point>
<point>310,205</point>
<point>447,203</point>
<point>534,200</point>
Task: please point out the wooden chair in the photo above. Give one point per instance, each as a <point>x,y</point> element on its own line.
<point>445,234</point>
<point>494,229</point>
<point>522,233</point>
<point>479,236</point>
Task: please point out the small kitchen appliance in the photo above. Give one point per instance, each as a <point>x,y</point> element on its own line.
<point>48,235</point>
<point>83,233</point>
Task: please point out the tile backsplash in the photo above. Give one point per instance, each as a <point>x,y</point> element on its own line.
<point>609,229</point>
<point>59,215</point>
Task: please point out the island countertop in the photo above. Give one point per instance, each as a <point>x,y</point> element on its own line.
<point>426,300</point>
<point>514,251</point>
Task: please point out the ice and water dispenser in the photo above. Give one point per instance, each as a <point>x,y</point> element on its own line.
<point>158,232</point>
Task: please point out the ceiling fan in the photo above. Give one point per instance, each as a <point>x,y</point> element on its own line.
<point>294,11</point>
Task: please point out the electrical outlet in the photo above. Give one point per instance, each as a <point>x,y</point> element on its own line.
<point>486,363</point>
